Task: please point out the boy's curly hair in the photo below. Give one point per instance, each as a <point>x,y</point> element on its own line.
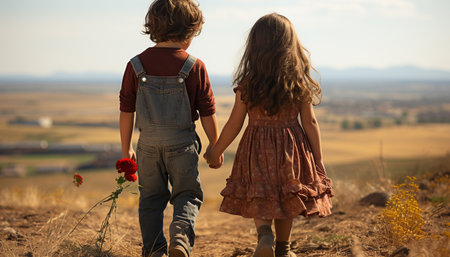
<point>275,68</point>
<point>173,20</point>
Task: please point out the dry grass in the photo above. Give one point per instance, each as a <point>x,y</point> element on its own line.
<point>62,134</point>
<point>395,142</point>
<point>339,146</point>
<point>43,209</point>
<point>43,215</point>
<point>59,106</point>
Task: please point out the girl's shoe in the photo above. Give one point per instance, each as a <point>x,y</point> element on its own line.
<point>283,249</point>
<point>265,242</point>
<point>289,254</point>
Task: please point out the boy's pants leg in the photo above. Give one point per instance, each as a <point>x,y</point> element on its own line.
<point>187,195</point>
<point>154,196</point>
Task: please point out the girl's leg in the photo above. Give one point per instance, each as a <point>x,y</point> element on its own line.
<point>266,244</point>
<point>283,237</point>
<point>261,222</point>
<point>283,229</point>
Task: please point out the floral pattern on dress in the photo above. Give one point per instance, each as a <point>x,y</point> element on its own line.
<point>274,175</point>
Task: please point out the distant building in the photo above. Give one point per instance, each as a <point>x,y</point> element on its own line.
<point>43,147</point>
<point>23,147</point>
<point>106,159</point>
<point>45,122</point>
<point>49,169</point>
<point>13,170</point>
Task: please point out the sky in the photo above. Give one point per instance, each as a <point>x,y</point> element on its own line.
<point>44,37</point>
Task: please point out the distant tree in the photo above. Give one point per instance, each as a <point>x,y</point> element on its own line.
<point>358,125</point>
<point>345,124</point>
<point>435,116</point>
<point>405,114</point>
<point>19,119</point>
<point>376,123</point>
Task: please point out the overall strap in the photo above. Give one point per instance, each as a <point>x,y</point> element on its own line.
<point>187,67</point>
<point>137,66</point>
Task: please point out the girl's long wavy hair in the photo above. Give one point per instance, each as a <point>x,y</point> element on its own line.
<point>275,68</point>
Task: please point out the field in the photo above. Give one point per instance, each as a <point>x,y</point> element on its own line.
<point>37,212</point>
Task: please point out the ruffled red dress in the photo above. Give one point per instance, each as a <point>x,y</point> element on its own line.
<point>274,175</point>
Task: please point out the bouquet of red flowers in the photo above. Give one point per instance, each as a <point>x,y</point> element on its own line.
<point>126,166</point>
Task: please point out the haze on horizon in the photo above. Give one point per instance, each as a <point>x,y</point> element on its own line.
<point>46,36</point>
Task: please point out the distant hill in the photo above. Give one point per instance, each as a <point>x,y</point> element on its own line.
<point>334,80</point>
<point>65,77</point>
<point>408,73</point>
<point>404,73</point>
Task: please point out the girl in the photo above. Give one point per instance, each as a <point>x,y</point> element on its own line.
<point>278,172</point>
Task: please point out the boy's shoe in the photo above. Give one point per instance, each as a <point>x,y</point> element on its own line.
<point>177,251</point>
<point>266,245</point>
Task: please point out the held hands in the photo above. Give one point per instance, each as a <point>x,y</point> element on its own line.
<point>214,161</point>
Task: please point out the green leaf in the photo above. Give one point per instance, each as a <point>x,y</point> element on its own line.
<point>121,180</point>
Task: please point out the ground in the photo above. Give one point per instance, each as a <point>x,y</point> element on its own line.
<point>43,231</point>
<point>38,212</point>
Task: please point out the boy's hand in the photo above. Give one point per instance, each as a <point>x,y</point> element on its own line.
<point>130,154</point>
<point>207,153</point>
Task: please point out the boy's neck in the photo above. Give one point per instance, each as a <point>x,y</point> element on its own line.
<point>172,44</point>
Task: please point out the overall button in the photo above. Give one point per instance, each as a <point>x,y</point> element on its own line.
<point>144,79</point>
<point>180,80</point>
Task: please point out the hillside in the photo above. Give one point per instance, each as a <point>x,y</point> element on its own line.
<point>40,228</point>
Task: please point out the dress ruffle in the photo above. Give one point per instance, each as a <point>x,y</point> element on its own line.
<point>274,175</point>
<point>279,202</point>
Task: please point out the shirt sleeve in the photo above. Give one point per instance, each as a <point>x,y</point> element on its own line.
<point>205,102</point>
<point>128,91</point>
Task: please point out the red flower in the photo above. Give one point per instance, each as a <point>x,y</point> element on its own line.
<point>126,165</point>
<point>130,177</point>
<point>77,180</point>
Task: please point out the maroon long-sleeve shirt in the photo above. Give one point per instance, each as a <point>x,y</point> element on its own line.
<point>160,61</point>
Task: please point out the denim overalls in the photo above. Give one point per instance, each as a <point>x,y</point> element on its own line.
<point>167,150</point>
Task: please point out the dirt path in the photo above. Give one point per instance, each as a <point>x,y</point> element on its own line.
<point>37,231</point>
<point>43,231</point>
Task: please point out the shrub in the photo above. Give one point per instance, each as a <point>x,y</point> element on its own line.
<point>402,217</point>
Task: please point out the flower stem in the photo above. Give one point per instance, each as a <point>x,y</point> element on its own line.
<point>108,198</point>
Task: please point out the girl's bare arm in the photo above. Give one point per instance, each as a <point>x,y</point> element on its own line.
<point>312,130</point>
<point>230,130</point>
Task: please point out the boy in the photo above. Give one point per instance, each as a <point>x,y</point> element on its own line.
<point>166,87</point>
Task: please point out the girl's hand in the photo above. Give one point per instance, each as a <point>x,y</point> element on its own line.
<point>320,166</point>
<point>214,162</point>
